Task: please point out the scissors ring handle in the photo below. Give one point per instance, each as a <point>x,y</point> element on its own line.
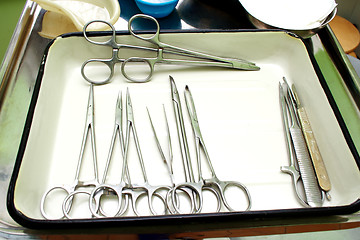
<point>96,198</point>
<point>154,191</point>
<point>193,190</point>
<point>153,38</point>
<point>149,62</point>
<point>108,62</point>
<point>44,197</point>
<point>217,195</point>
<point>65,207</point>
<point>223,185</point>
<point>110,42</point>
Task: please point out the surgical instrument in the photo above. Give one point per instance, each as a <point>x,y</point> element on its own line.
<point>195,187</point>
<point>135,191</point>
<point>317,160</point>
<point>160,49</point>
<point>98,193</point>
<point>311,188</point>
<point>169,165</point>
<point>72,189</point>
<point>213,182</point>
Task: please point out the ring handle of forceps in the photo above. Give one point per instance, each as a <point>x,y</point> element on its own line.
<point>69,198</point>
<point>119,194</point>
<point>137,192</point>
<point>194,188</point>
<point>111,42</point>
<point>43,199</point>
<point>154,38</point>
<point>108,62</point>
<point>223,185</point>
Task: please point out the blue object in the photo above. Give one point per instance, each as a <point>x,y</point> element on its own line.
<point>156,8</point>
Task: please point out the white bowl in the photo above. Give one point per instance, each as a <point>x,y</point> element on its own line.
<point>291,15</point>
<point>82,11</point>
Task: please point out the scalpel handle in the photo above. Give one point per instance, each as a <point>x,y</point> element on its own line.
<point>319,166</point>
<point>311,187</point>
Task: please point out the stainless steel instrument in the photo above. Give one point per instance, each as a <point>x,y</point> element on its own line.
<point>298,153</point>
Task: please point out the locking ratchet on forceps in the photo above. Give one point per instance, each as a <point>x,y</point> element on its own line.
<point>160,49</point>
<point>137,190</point>
<point>73,188</point>
<point>213,182</point>
<point>104,188</point>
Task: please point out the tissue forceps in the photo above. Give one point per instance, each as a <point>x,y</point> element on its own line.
<point>168,162</point>
<point>135,191</point>
<point>161,48</point>
<point>219,186</point>
<point>72,189</point>
<point>313,193</point>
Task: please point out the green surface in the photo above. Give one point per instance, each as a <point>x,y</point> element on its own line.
<point>10,11</point>
<point>342,99</point>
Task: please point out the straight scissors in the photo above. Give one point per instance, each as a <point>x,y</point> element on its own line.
<point>73,188</point>
<point>219,186</point>
<point>161,48</point>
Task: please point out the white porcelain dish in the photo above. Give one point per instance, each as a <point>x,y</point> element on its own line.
<point>294,15</point>
<point>239,114</point>
<point>82,11</point>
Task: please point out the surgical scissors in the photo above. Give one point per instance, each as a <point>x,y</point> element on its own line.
<point>161,48</point>
<point>213,182</point>
<point>73,188</point>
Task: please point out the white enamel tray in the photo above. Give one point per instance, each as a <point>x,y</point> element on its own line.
<point>239,115</point>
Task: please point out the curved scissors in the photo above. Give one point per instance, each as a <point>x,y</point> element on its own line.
<point>161,48</point>
<point>219,186</point>
<point>72,189</point>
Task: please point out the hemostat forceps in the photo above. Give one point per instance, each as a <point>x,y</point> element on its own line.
<point>213,182</point>
<point>104,188</point>
<point>138,190</point>
<point>160,49</point>
<point>72,189</point>
<point>190,183</point>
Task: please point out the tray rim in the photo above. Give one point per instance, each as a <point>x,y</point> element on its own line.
<point>171,220</point>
